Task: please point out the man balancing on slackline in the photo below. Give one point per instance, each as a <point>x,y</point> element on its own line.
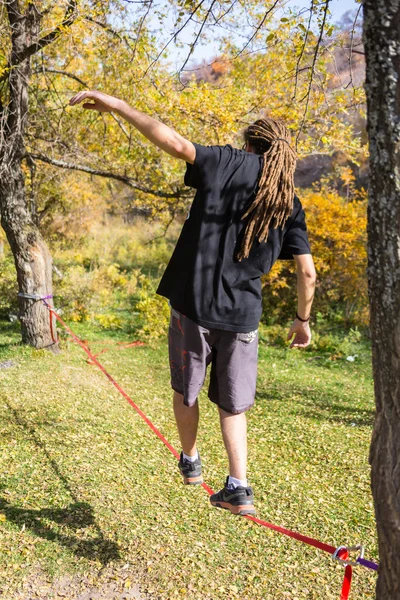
<point>244,217</point>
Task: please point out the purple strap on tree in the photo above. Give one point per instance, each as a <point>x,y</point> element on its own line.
<point>34,297</point>
<point>367,563</point>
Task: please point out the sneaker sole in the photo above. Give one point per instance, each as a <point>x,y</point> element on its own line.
<point>242,510</point>
<point>193,480</point>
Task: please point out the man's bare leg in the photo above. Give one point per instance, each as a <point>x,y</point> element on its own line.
<point>235,496</point>
<point>187,420</point>
<point>234,434</point>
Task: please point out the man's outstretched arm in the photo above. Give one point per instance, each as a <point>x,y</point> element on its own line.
<point>306,278</point>
<point>159,134</point>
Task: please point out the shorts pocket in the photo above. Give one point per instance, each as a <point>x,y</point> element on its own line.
<point>175,321</point>
<point>247,338</point>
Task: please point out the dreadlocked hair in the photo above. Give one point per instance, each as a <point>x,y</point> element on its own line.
<point>275,191</point>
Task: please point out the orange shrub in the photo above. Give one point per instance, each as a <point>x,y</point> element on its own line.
<point>338,236</point>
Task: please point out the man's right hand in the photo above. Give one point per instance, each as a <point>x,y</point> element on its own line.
<point>100,101</point>
<point>302,334</point>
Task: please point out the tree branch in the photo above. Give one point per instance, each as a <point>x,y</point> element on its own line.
<point>261,23</point>
<point>192,46</point>
<point>59,72</point>
<point>303,49</point>
<point>123,178</point>
<point>85,85</point>
<point>358,52</point>
<point>176,33</point>
<point>351,83</point>
<point>141,24</point>
<point>109,29</point>
<point>317,47</point>
<point>28,51</point>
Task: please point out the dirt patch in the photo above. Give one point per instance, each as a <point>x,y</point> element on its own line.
<point>7,364</point>
<point>107,584</point>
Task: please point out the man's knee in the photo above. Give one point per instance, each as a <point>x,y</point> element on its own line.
<point>226,414</point>
<point>179,401</point>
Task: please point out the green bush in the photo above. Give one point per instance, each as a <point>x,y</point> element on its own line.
<point>8,286</point>
<point>113,276</point>
<point>93,295</point>
<point>153,311</point>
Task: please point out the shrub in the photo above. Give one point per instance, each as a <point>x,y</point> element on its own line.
<point>153,310</point>
<point>94,294</point>
<point>337,231</point>
<point>8,285</point>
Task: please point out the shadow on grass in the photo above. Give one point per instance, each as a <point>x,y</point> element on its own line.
<point>77,516</point>
<point>340,414</point>
<point>320,410</point>
<point>11,344</point>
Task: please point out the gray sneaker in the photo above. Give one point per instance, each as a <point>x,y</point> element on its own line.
<point>190,471</point>
<point>240,501</point>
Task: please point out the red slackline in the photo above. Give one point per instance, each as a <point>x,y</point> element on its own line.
<point>342,553</point>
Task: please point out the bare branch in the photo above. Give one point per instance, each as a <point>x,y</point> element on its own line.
<point>351,48</point>
<point>226,12</point>
<point>176,33</point>
<point>358,52</point>
<point>179,193</point>
<point>317,47</point>
<point>166,228</point>
<point>258,28</point>
<point>142,21</point>
<point>192,46</point>
<point>303,49</point>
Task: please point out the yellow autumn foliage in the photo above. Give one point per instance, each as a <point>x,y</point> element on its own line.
<point>338,235</point>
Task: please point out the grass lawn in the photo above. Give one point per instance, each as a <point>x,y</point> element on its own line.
<point>91,502</point>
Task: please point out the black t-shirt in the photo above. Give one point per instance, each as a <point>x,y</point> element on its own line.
<point>203,279</point>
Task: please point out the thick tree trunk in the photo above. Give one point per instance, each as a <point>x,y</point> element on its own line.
<point>32,261</point>
<point>382,47</point>
<point>31,255</point>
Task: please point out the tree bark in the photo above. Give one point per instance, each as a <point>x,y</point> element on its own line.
<point>31,255</point>
<point>382,48</point>
<point>32,261</point>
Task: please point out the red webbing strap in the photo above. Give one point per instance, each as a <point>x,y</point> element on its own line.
<point>311,542</point>
<point>119,346</point>
<point>115,384</point>
<point>348,574</point>
<point>293,534</point>
<point>297,536</point>
<point>53,337</point>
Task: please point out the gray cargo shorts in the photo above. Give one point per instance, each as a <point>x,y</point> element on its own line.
<point>233,359</point>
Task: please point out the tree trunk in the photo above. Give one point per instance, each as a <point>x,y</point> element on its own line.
<point>32,261</point>
<point>31,255</point>
<point>382,47</point>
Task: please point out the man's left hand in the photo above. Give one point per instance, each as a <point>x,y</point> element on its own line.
<point>302,334</point>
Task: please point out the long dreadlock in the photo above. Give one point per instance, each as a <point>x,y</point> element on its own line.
<point>275,191</point>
